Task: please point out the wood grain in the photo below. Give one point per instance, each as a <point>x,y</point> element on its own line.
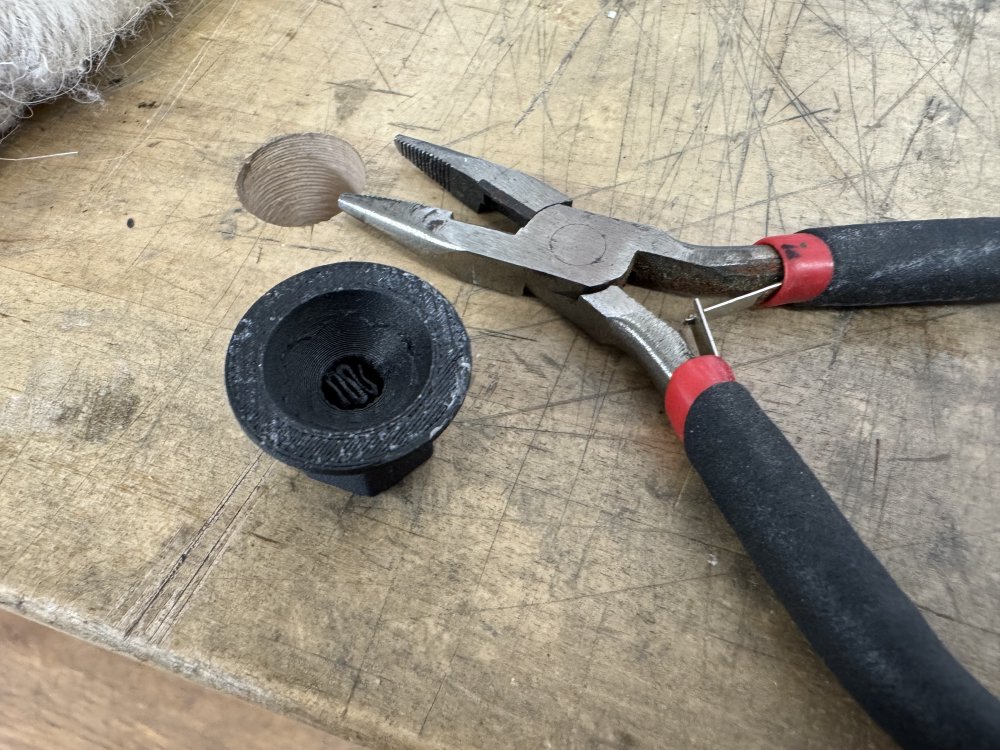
<point>555,576</point>
<point>59,693</point>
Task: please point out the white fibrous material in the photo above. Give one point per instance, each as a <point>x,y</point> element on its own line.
<point>48,48</point>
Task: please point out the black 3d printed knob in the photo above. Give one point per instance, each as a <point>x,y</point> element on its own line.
<point>349,372</point>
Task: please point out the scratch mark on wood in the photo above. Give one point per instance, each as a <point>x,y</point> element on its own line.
<point>146,607</point>
<point>557,73</point>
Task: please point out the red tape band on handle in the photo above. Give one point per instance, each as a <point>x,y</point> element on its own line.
<point>808,267</point>
<point>688,382</point>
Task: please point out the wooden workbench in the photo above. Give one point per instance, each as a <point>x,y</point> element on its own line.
<point>555,576</point>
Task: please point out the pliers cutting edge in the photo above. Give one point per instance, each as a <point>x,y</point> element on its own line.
<point>866,629</point>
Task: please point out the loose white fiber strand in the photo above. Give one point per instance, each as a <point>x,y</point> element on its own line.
<point>48,48</point>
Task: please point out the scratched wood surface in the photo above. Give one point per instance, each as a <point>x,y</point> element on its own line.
<point>555,576</point>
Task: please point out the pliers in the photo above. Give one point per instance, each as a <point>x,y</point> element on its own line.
<point>865,628</point>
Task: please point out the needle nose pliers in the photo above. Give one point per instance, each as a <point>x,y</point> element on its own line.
<point>865,628</point>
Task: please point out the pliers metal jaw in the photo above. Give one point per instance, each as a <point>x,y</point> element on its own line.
<point>865,628</point>
<point>573,260</point>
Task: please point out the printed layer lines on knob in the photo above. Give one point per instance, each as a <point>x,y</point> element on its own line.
<point>348,372</point>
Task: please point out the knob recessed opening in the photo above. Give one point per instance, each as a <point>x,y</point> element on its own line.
<point>349,358</point>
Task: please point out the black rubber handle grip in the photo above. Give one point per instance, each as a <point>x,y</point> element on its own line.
<point>906,262</point>
<point>857,619</point>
